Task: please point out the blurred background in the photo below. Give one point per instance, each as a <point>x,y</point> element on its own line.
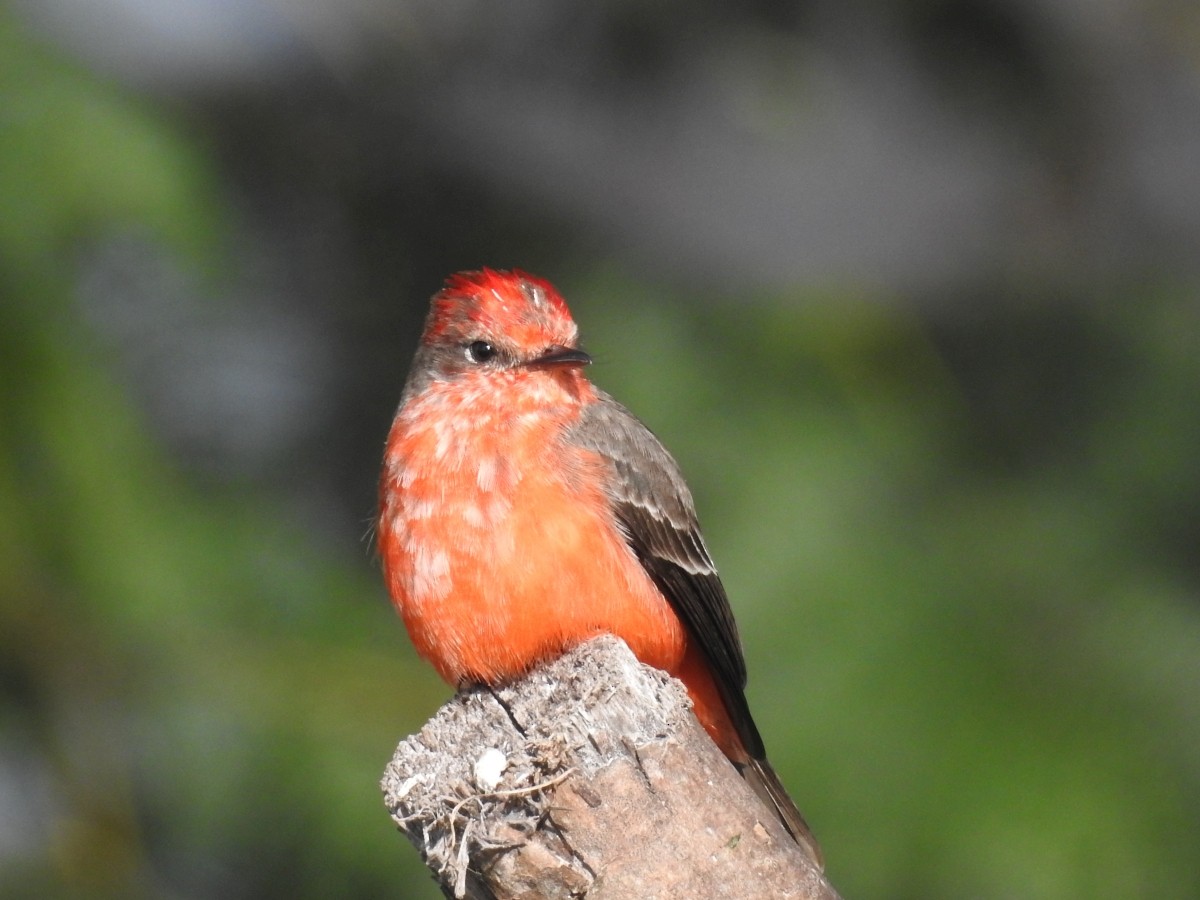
<point>910,289</point>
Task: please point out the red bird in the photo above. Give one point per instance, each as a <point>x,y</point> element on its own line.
<point>523,511</point>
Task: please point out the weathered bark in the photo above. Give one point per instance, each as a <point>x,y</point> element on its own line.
<point>611,789</point>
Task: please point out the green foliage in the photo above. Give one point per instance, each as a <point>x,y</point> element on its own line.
<point>79,156</point>
<point>202,700</point>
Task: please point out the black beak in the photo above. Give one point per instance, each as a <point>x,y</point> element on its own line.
<point>560,357</point>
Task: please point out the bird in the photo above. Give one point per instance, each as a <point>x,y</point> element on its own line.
<point>523,510</point>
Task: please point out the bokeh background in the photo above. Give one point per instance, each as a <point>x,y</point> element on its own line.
<point>910,289</point>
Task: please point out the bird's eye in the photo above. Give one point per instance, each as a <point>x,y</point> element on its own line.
<point>480,351</point>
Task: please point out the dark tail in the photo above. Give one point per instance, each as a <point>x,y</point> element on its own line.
<point>762,778</point>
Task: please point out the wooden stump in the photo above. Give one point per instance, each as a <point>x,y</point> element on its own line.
<point>587,778</point>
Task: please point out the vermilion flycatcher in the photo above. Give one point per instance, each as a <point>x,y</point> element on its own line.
<point>523,511</point>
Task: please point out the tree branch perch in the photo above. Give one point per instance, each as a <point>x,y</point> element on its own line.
<point>607,788</point>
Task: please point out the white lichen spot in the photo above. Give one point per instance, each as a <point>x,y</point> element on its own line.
<point>409,784</point>
<point>489,768</point>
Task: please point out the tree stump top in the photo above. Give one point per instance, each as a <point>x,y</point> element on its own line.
<point>589,777</point>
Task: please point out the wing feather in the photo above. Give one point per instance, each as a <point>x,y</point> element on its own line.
<point>654,508</point>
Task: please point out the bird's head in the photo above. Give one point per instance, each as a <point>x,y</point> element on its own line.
<point>498,321</point>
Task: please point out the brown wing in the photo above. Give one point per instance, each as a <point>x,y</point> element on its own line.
<point>654,507</point>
